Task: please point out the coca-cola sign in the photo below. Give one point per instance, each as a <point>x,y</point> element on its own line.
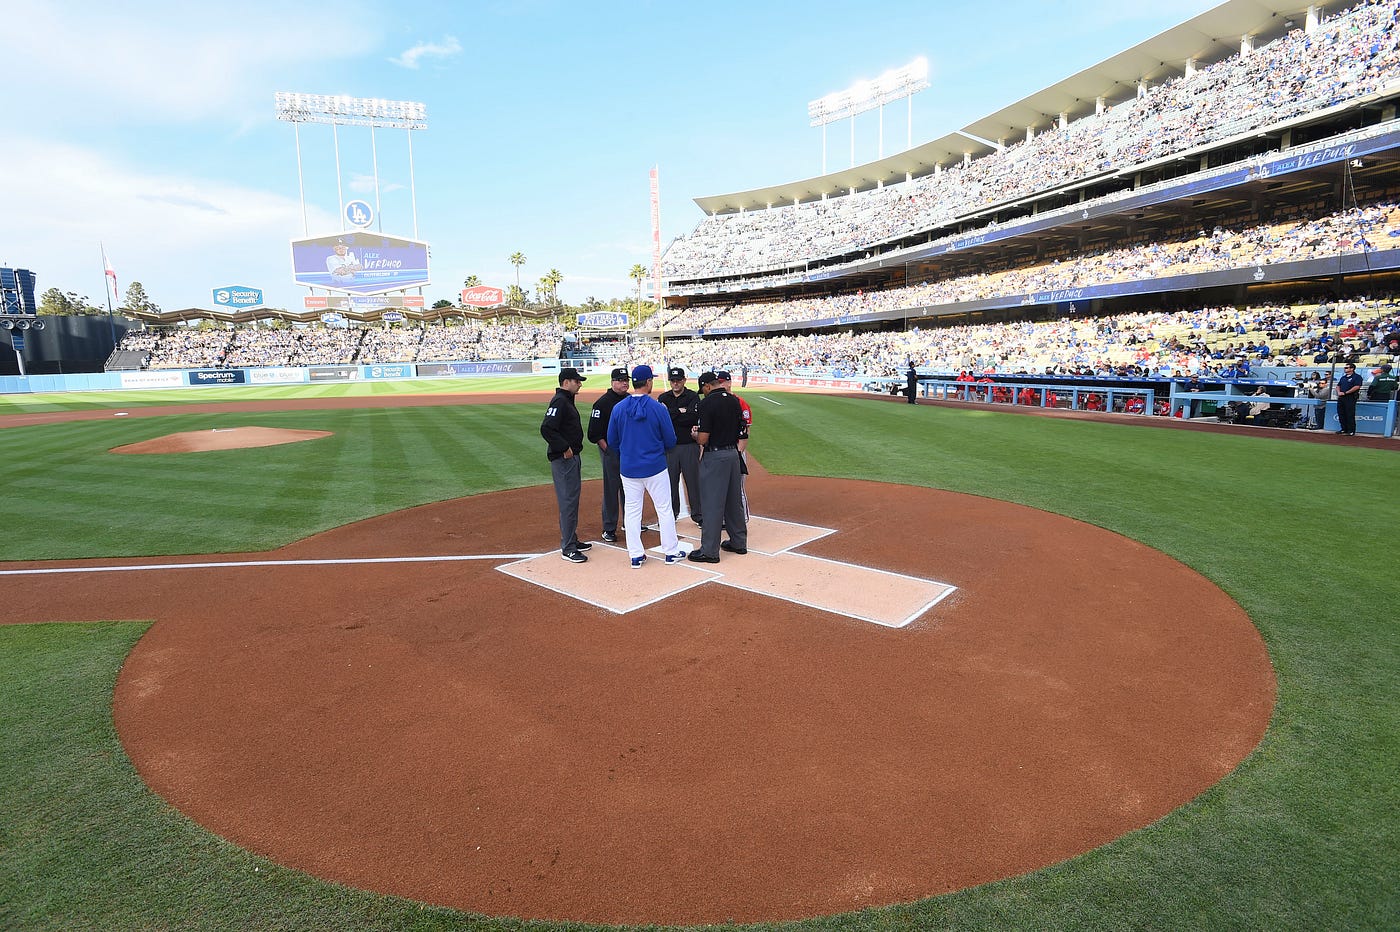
<point>483,296</point>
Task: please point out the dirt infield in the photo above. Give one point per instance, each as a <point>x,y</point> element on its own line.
<point>446,732</point>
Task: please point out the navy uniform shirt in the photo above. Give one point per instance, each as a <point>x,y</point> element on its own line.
<point>561,427</point>
<point>602,414</point>
<point>685,413</point>
<point>721,418</point>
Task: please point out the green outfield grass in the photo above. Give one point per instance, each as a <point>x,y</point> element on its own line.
<point>1302,836</point>
<point>151,397</point>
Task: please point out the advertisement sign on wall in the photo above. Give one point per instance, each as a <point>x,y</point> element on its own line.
<point>238,296</point>
<point>333,373</point>
<point>276,376</point>
<point>217,377</point>
<point>360,262</point>
<point>152,379</point>
<point>603,320</point>
<point>474,368</point>
<point>404,371</point>
<point>483,296</point>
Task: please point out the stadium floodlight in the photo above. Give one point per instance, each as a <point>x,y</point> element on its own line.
<point>341,110</point>
<point>865,95</point>
<point>351,111</point>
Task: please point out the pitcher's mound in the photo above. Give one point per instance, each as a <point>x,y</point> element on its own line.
<point>221,438</point>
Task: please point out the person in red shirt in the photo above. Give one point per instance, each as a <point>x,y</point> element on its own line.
<point>1027,396</point>
<point>727,380</point>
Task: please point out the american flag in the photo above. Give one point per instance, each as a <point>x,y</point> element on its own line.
<point>111,274</point>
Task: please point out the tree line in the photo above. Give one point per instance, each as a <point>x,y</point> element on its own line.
<point>56,301</point>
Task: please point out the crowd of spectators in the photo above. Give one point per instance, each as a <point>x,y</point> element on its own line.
<point>228,348</point>
<point>1347,56</point>
<point>1213,342</point>
<point>1355,230</point>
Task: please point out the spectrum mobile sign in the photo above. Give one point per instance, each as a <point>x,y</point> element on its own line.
<point>483,296</point>
<point>360,262</point>
<point>240,296</point>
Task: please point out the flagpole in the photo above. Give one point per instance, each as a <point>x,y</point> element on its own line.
<point>109,274</point>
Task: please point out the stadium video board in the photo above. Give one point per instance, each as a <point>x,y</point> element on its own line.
<point>360,262</point>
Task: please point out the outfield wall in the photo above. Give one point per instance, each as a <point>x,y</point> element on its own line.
<point>269,375</point>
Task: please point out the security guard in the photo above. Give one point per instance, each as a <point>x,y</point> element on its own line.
<point>721,487</point>
<point>612,471</point>
<point>684,458</point>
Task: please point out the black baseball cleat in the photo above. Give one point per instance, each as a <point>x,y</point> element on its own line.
<point>698,557</point>
<point>729,546</point>
<point>609,537</point>
<point>582,545</point>
<point>573,556</point>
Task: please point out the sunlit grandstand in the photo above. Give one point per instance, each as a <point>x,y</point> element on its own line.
<point>1246,157</point>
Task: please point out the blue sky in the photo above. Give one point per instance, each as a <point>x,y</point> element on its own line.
<point>150,127</point>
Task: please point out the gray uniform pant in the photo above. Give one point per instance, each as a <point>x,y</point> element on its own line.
<point>684,460</point>
<point>612,489</point>
<point>568,480</point>
<point>722,500</point>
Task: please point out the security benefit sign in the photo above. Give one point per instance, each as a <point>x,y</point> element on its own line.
<point>360,262</point>
<point>238,296</point>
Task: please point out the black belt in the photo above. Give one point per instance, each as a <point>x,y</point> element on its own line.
<point>732,446</point>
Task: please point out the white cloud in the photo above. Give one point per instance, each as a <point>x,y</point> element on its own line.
<point>409,58</point>
<point>179,235</point>
<point>164,60</point>
<point>364,184</point>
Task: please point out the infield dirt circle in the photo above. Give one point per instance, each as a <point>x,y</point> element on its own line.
<point>446,732</point>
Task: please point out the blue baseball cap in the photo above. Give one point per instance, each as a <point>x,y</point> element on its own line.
<point>642,374</point>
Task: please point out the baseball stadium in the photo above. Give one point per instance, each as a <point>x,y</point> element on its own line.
<point>1045,621</point>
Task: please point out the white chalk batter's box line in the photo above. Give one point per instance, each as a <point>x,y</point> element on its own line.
<point>229,564</point>
<point>717,576</point>
<point>947,591</point>
<point>708,575</point>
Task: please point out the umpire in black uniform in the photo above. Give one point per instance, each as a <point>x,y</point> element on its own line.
<point>721,481</point>
<point>911,383</point>
<point>612,466</point>
<point>684,458</point>
<point>563,433</point>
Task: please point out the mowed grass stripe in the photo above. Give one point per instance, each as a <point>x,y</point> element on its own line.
<point>1302,835</point>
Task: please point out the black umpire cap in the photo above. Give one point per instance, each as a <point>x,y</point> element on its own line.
<point>619,374</point>
<point>570,373</point>
<point>676,374</point>
<point>707,377</point>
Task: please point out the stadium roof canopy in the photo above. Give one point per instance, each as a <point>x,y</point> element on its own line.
<point>1214,35</point>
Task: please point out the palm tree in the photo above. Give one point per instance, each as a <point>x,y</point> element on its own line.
<point>517,259</point>
<point>554,277</point>
<point>638,273</point>
<point>471,281</point>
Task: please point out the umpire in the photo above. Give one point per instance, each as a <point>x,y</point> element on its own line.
<point>684,458</point>
<point>721,481</point>
<point>612,467</point>
<point>563,433</point>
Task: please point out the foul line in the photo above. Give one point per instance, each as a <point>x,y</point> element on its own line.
<point>771,401</point>
<point>235,563</point>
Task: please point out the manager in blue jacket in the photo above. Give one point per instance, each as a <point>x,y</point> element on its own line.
<point>640,431</point>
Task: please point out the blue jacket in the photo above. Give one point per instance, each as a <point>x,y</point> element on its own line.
<point>640,431</point>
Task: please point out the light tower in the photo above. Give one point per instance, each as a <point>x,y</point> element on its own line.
<point>867,95</point>
<point>353,111</point>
